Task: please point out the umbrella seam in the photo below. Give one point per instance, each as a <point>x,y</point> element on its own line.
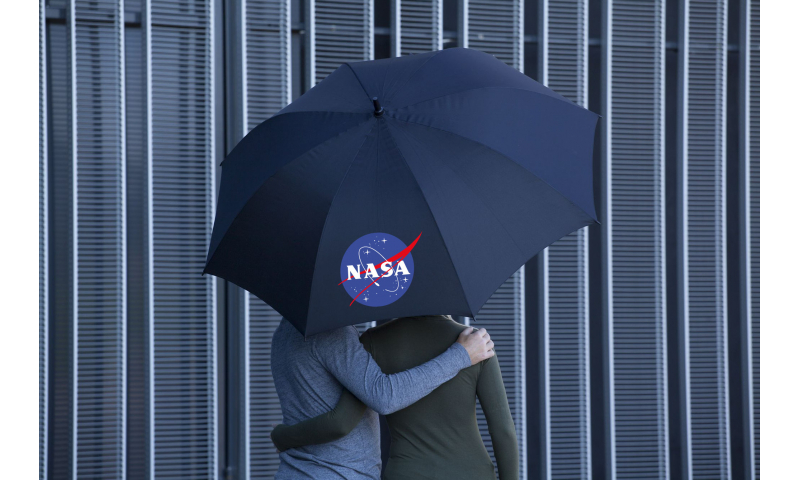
<point>562,99</point>
<point>474,192</point>
<point>327,217</point>
<point>359,80</point>
<point>506,156</point>
<point>236,217</point>
<point>525,257</point>
<point>383,87</point>
<point>224,160</point>
<point>389,98</point>
<point>436,222</point>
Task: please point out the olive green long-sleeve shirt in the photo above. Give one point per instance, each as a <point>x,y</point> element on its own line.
<point>437,437</point>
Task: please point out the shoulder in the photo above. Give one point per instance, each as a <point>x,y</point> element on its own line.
<point>286,334</point>
<point>381,330</point>
<point>340,333</point>
<point>454,328</point>
<point>458,327</point>
<point>490,364</point>
<point>334,340</point>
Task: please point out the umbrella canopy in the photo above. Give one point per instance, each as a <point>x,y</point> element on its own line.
<point>407,186</point>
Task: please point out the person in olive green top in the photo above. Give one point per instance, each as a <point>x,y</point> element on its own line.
<point>437,437</point>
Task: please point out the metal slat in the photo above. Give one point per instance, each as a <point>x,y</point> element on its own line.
<point>754,213</point>
<point>416,26</point>
<point>568,351</point>
<point>495,27</point>
<point>60,251</point>
<point>337,31</point>
<point>137,248</point>
<point>564,68</point>
<point>100,256</point>
<point>268,70</point>
<point>264,406</point>
<point>44,260</point>
<point>634,246</point>
<point>702,243</point>
<point>750,191</point>
<point>181,164</point>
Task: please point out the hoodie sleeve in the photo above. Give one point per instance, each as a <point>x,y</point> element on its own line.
<point>324,428</point>
<point>341,353</point>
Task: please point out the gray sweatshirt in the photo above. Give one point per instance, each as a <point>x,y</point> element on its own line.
<point>309,375</point>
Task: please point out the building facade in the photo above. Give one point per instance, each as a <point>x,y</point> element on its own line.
<point>629,350</point>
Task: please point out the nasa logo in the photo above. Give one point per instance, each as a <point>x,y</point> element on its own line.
<point>377,269</point>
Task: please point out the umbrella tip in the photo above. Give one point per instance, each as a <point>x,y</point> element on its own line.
<point>377,105</point>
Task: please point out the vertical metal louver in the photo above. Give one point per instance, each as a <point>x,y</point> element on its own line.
<point>416,26</point>
<point>60,242</point>
<point>750,166</point>
<point>268,71</point>
<point>183,350</point>
<point>504,316</point>
<point>99,229</point>
<point>267,89</point>
<point>496,27</point>
<point>702,292</point>
<point>44,293</point>
<point>138,281</point>
<point>337,31</point>
<point>634,228</point>
<point>754,215</point>
<point>565,266</point>
<point>264,406</point>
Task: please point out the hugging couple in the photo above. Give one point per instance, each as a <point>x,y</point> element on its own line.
<point>423,373</point>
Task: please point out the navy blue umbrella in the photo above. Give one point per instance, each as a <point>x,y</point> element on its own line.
<point>407,186</point>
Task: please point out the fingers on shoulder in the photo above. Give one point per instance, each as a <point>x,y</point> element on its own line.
<point>488,354</point>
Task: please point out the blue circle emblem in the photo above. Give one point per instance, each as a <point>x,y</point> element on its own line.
<point>377,269</point>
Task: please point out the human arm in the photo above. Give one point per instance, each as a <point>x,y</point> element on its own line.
<point>323,428</point>
<point>341,353</point>
<point>492,395</point>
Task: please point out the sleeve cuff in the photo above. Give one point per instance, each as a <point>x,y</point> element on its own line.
<point>275,441</point>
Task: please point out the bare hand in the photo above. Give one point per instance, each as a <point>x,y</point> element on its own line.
<point>478,344</point>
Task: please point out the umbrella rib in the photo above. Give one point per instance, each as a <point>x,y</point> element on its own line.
<point>519,249</point>
<point>327,217</point>
<point>390,96</point>
<point>436,222</point>
<point>300,112</point>
<point>359,80</point>
<point>502,154</point>
<point>488,87</point>
<point>222,239</point>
